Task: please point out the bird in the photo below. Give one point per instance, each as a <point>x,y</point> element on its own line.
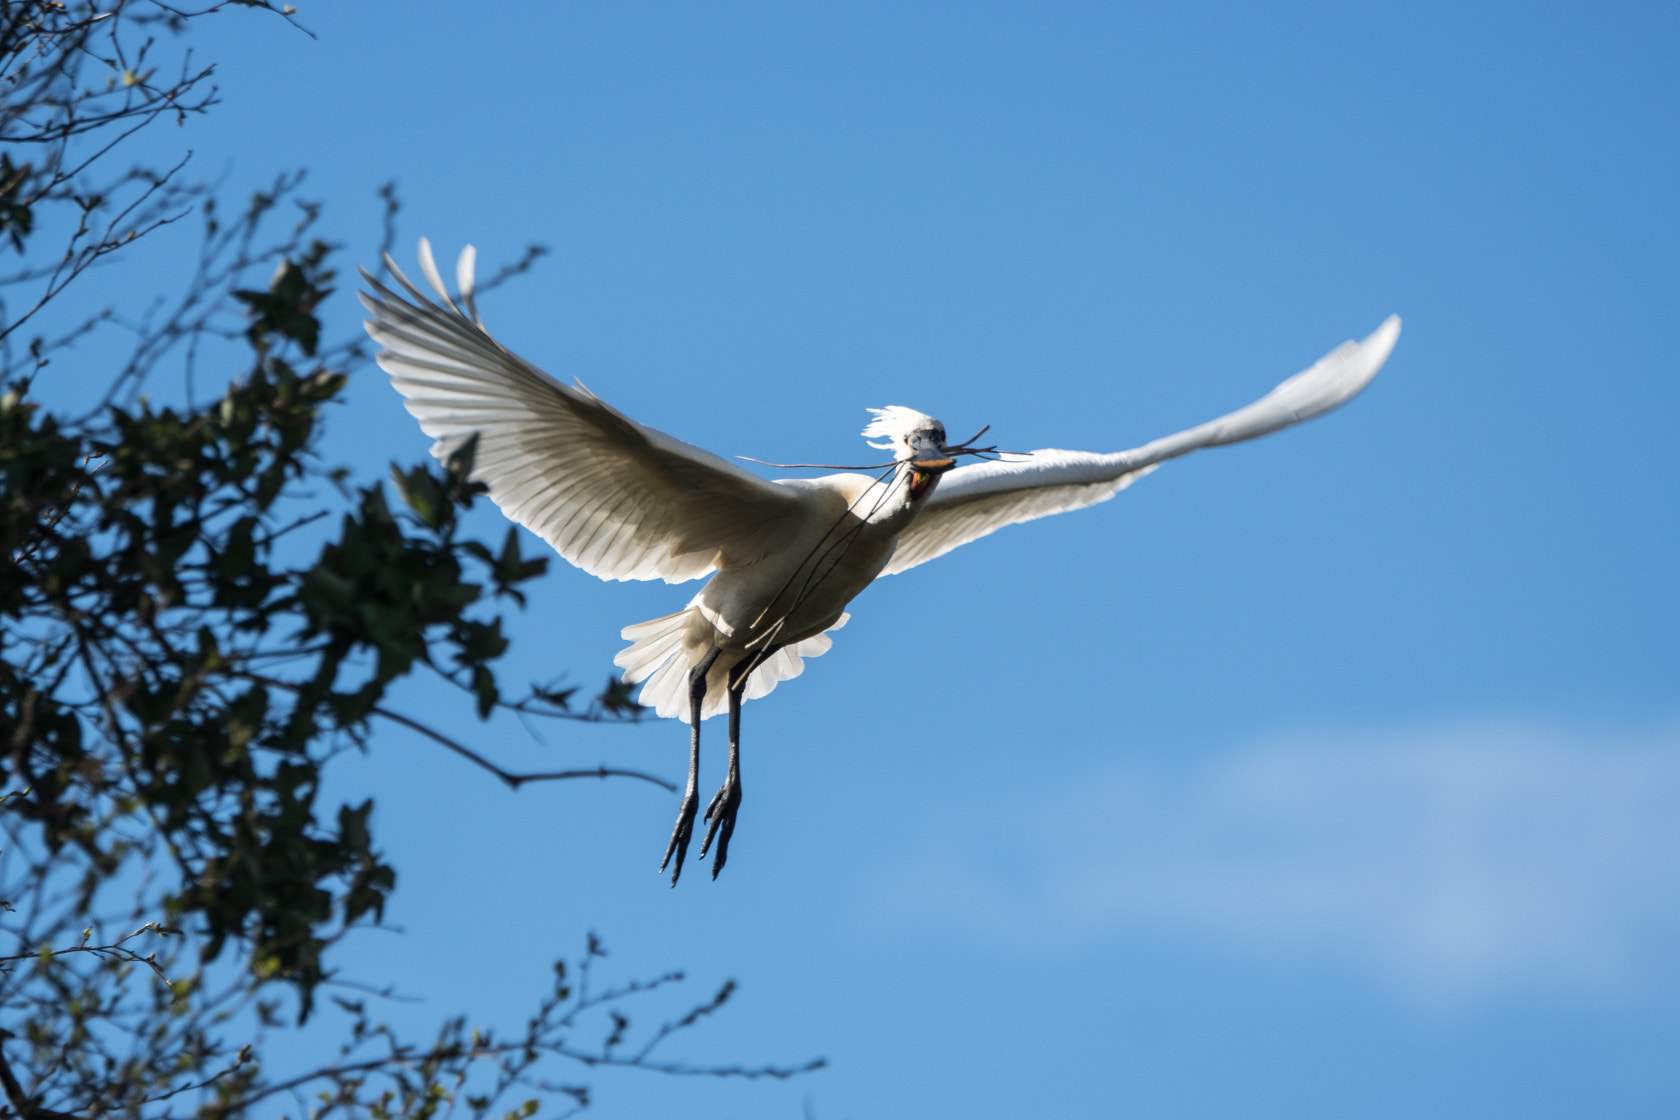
<point>625,501</point>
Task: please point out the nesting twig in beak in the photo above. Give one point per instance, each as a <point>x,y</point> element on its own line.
<point>817,466</point>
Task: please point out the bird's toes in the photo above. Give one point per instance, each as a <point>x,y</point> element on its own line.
<point>723,847</point>
<point>720,816</point>
<point>681,834</point>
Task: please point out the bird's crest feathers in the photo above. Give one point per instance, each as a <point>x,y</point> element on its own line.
<point>894,425</point>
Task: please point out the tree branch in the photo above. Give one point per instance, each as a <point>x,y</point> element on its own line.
<point>513,780</point>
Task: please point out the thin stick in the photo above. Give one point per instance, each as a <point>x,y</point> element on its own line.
<point>817,466</point>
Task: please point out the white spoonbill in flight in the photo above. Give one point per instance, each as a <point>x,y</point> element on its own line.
<point>624,501</point>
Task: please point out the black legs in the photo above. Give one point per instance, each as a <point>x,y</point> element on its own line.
<point>720,814</point>
<point>691,796</point>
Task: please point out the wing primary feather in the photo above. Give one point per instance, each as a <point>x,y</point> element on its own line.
<point>429,267</point>
<point>464,266</point>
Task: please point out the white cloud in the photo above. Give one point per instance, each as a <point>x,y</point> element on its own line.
<point>1455,863</point>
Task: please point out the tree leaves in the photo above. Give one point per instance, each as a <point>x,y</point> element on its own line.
<point>17,220</point>
<point>151,619</point>
<point>287,308</point>
<point>197,616</point>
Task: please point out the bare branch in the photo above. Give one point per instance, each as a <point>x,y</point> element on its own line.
<point>511,779</point>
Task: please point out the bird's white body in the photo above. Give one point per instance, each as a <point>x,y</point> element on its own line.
<point>625,501</point>
<point>748,606</point>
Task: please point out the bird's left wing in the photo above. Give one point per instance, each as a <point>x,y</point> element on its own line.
<point>974,501</point>
<point>617,498</point>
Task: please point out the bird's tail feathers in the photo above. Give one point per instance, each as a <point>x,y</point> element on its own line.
<point>663,650</point>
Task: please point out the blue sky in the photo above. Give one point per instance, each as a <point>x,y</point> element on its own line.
<point>1327,775</point>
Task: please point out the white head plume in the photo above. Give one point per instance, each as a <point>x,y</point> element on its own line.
<point>903,431</point>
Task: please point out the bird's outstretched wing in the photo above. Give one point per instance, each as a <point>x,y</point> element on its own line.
<point>980,499</point>
<point>618,499</point>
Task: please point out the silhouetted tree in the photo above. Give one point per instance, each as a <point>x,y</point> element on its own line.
<point>197,615</point>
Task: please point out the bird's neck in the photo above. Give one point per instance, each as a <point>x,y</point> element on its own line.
<point>905,497</point>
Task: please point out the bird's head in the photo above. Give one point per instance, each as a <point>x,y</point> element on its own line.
<point>915,439</point>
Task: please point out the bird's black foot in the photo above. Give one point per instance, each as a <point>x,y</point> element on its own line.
<point>720,815</point>
<point>683,833</point>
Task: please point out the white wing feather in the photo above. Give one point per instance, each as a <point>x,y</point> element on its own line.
<point>618,499</point>
<point>977,500</point>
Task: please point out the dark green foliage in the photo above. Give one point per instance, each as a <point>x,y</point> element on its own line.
<point>146,607</point>
<point>179,664</point>
<point>17,220</point>
<point>197,616</point>
<point>287,309</point>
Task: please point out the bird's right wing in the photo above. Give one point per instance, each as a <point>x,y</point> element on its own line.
<point>618,499</point>
<point>977,500</point>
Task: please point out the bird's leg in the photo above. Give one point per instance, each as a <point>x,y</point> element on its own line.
<point>720,814</point>
<point>684,829</point>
